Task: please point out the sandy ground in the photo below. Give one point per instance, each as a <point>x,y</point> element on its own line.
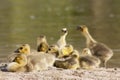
<point>62,74</point>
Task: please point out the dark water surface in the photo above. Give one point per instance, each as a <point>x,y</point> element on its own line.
<point>21,21</point>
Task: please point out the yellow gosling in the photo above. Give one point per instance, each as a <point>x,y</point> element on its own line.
<point>54,50</point>
<point>65,51</point>
<point>42,44</point>
<point>31,63</point>
<point>62,41</point>
<point>87,60</point>
<point>69,63</point>
<point>24,49</point>
<point>36,62</point>
<point>18,65</point>
<point>100,50</point>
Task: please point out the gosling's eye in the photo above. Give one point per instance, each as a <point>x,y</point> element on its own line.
<point>21,47</point>
<point>49,49</point>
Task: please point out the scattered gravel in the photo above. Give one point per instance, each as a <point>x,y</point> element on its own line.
<point>62,74</point>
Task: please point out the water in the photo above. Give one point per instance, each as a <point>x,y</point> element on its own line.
<point>22,21</point>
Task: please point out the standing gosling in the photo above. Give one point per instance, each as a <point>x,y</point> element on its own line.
<point>62,41</point>
<point>99,50</point>
<point>42,44</point>
<point>87,60</point>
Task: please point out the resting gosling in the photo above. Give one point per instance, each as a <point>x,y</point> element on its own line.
<point>18,65</point>
<point>54,50</point>
<point>42,44</point>
<point>24,49</point>
<point>65,51</point>
<point>36,61</point>
<point>87,60</point>
<point>69,63</point>
<point>99,50</point>
<point>71,57</point>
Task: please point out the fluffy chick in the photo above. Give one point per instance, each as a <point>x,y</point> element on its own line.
<point>42,44</point>
<point>100,50</point>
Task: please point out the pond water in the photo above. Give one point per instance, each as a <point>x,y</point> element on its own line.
<point>22,21</point>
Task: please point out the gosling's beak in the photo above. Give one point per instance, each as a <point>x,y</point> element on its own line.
<point>3,68</point>
<point>17,51</point>
<point>80,28</point>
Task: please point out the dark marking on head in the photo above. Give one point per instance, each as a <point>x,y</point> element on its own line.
<point>42,36</point>
<point>80,28</point>
<point>64,30</point>
<point>17,51</point>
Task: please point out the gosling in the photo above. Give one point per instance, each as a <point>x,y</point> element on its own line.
<point>24,49</point>
<point>18,65</point>
<point>98,49</point>
<point>65,51</point>
<point>42,44</point>
<point>36,61</point>
<point>87,60</point>
<point>71,58</point>
<point>54,50</point>
<point>62,41</point>
<point>69,63</point>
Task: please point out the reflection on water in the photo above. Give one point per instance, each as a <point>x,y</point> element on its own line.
<point>22,21</point>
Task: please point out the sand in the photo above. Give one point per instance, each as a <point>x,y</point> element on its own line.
<point>63,74</point>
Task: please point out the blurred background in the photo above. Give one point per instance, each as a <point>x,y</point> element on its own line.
<point>21,21</point>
